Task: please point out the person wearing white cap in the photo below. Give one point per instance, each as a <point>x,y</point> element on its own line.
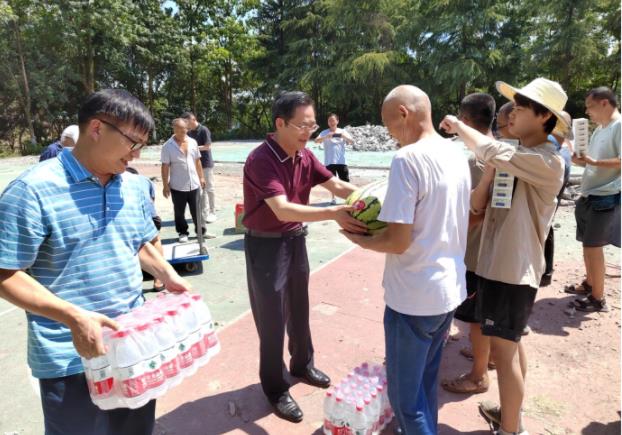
<point>68,138</point>
<point>508,283</point>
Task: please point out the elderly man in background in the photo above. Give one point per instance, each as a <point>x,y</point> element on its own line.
<point>182,176</point>
<point>68,138</point>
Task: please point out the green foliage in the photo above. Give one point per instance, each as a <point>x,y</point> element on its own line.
<point>226,60</point>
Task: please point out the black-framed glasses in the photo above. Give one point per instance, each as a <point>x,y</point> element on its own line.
<point>310,128</point>
<point>135,146</point>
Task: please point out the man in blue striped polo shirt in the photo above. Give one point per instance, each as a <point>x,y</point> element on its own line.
<point>74,233</point>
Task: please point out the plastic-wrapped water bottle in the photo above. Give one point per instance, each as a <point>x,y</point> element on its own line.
<point>130,369</point>
<point>340,415</point>
<point>154,377</point>
<point>207,326</point>
<point>184,347</point>
<point>99,377</point>
<point>168,351</point>
<point>195,338</point>
<point>329,405</point>
<point>359,424</point>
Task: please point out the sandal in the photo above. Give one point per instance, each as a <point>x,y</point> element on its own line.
<point>590,304</point>
<point>463,385</point>
<point>581,289</point>
<point>467,352</point>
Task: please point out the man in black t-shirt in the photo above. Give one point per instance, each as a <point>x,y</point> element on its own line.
<point>202,135</point>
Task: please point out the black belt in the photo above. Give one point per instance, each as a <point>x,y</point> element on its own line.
<point>301,231</point>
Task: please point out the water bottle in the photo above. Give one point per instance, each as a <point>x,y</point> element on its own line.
<point>329,405</point>
<point>340,415</point>
<point>154,377</point>
<point>207,326</point>
<point>359,421</point>
<point>184,347</point>
<point>168,352</point>
<point>129,369</point>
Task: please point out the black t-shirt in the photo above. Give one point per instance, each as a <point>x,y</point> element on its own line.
<point>203,137</point>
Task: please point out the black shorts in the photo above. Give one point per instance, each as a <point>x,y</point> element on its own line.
<point>467,309</point>
<point>503,309</point>
<point>598,220</point>
<point>340,171</point>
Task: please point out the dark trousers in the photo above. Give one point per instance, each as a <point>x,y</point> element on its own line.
<point>277,271</point>
<point>549,243</point>
<point>68,410</point>
<point>180,199</point>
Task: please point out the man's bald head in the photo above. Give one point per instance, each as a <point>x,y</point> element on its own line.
<point>410,97</point>
<point>407,114</point>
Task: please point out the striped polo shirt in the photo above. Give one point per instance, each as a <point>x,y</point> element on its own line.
<point>80,240</point>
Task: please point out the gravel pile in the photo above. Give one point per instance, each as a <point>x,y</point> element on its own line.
<point>371,138</point>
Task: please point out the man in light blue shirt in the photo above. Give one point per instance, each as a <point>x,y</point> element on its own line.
<point>598,210</point>
<point>74,234</point>
<point>334,140</point>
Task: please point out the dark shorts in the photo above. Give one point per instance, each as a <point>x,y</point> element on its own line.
<point>504,308</point>
<point>340,171</point>
<point>467,310</point>
<point>69,410</point>
<point>598,220</point>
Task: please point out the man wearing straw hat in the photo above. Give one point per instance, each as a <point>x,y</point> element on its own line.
<point>508,283</point>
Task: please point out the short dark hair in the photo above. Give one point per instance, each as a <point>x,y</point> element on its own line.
<point>330,115</point>
<point>480,109</point>
<point>188,115</point>
<point>506,109</point>
<point>538,109</point>
<point>603,93</point>
<point>119,105</point>
<point>286,104</point>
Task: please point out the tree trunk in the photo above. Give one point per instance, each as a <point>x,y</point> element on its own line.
<point>26,86</point>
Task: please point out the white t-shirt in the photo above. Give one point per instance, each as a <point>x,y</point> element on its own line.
<point>334,148</point>
<point>429,187</point>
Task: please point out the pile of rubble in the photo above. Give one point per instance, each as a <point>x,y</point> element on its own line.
<point>371,138</point>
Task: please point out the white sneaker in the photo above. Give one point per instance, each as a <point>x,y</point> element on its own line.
<point>183,238</point>
<point>211,217</point>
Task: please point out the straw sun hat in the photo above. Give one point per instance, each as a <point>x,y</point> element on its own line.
<point>543,91</point>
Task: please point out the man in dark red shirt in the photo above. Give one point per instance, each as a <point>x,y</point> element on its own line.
<point>278,177</point>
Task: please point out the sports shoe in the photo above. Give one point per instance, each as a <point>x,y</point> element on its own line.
<point>183,238</point>
<point>211,217</point>
<point>492,414</point>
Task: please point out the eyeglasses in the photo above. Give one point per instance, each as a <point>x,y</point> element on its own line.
<point>135,146</point>
<point>307,128</point>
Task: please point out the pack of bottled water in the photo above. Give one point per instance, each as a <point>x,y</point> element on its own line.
<point>359,404</point>
<point>158,345</point>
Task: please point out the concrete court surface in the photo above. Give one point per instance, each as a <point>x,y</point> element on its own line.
<point>573,383</point>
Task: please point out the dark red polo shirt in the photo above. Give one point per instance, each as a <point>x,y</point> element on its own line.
<point>270,172</point>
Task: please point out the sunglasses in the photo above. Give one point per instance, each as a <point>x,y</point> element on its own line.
<point>135,146</point>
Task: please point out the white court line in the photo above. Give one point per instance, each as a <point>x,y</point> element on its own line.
<point>317,269</point>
